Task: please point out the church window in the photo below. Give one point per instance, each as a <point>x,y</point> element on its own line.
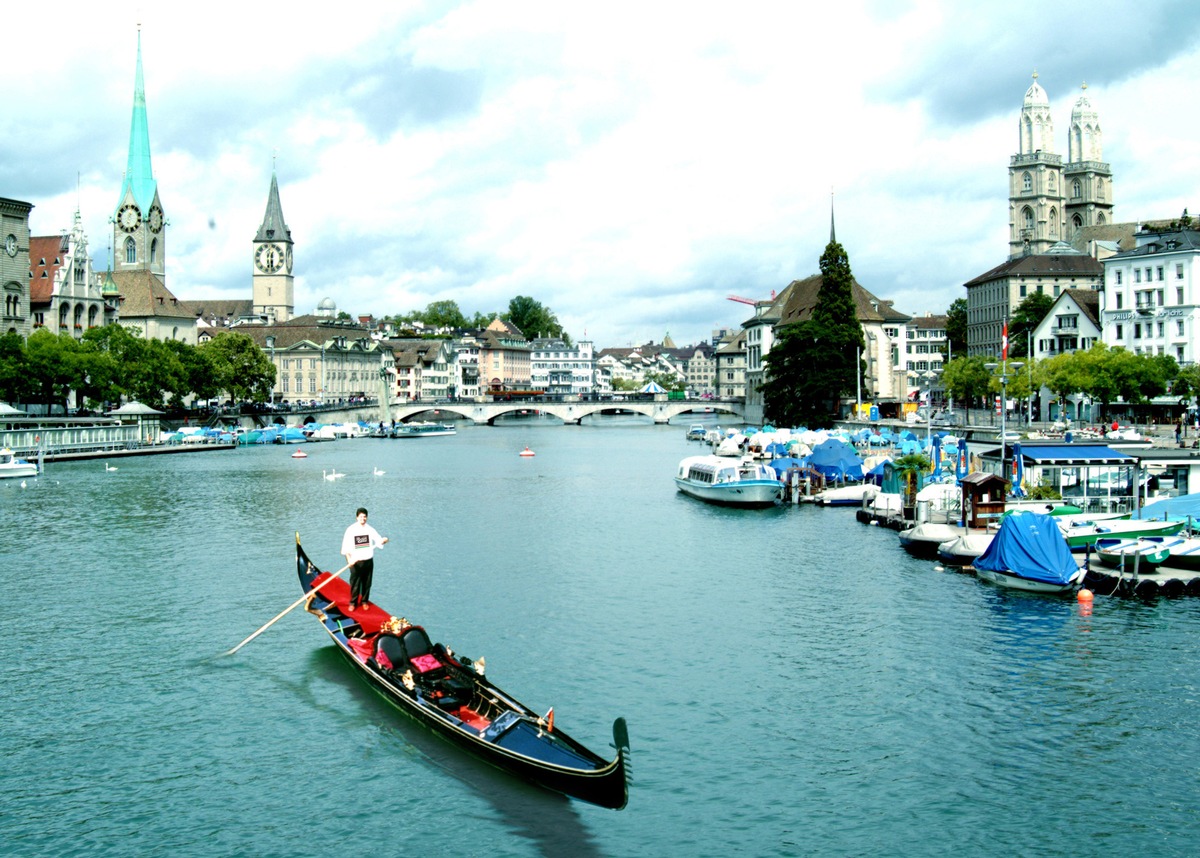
<point>1026,182</point>
<point>154,250</point>
<point>130,251</point>
<point>1050,180</point>
<point>1100,219</point>
<point>1076,190</point>
<point>1076,221</point>
<point>1027,217</point>
<point>1099,189</point>
<point>1054,223</point>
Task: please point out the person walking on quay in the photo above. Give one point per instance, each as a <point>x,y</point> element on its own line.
<point>1179,432</point>
<point>358,547</point>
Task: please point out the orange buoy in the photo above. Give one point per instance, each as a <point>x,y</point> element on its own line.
<point>528,452</point>
<point>1084,595</point>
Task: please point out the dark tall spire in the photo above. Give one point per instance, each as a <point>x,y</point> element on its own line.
<point>832,231</point>
<point>273,226</point>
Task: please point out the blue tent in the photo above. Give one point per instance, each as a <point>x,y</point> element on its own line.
<point>836,460</point>
<point>1029,544</point>
<point>783,463</point>
<point>875,475</point>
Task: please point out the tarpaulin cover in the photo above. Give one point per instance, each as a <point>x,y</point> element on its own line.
<point>836,459</point>
<point>1030,545</point>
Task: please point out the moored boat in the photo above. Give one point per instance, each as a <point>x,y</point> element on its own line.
<point>696,432</point>
<point>1083,533</point>
<point>1143,553</point>
<point>923,540</point>
<point>729,482</point>
<point>450,695</point>
<point>963,550</point>
<point>12,466</point>
<point>852,495</point>
<point>1184,553</point>
<point>1030,553</point>
<point>423,430</point>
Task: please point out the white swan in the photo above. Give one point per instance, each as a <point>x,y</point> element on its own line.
<point>378,472</point>
<point>332,475</point>
<point>109,468</point>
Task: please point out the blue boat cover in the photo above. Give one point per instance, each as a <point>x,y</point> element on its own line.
<point>1030,545</point>
<point>836,459</point>
<point>1171,509</point>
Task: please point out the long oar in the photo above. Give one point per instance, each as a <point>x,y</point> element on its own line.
<point>289,608</point>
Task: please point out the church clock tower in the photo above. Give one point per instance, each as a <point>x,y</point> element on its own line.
<point>139,225</point>
<point>274,287</point>
<point>1035,179</point>
<point>1087,178</point>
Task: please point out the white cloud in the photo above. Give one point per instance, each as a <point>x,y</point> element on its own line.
<point>628,165</point>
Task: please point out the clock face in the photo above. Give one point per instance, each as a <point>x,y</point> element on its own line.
<point>156,219</point>
<point>10,245</point>
<point>268,258</point>
<point>129,217</point>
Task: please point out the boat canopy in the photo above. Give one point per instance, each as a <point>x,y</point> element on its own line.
<point>1030,545</point>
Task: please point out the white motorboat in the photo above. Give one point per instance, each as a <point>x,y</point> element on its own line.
<point>11,466</point>
<point>729,482</point>
<point>696,432</point>
<point>846,495</point>
<point>423,430</point>
<point>922,540</point>
<point>963,549</point>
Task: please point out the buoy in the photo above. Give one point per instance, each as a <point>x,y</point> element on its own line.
<point>1084,595</point>
<point>528,452</point>
<point>299,454</point>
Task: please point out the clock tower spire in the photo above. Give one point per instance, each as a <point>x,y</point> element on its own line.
<point>139,228</point>
<point>274,287</point>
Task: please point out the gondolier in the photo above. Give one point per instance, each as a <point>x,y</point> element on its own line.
<point>358,547</point>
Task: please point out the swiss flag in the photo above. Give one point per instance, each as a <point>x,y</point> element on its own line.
<point>1004,343</point>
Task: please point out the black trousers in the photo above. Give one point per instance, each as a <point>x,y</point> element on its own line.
<point>360,580</point>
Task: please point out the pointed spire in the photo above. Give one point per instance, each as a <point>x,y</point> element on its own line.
<point>273,228</point>
<point>139,176</point>
<point>832,231</point>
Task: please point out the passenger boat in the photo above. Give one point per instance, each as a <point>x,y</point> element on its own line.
<point>423,430</point>
<point>728,482</point>
<point>450,695</point>
<point>11,466</point>
<point>1081,534</point>
<point>1145,552</point>
<point>1030,553</point>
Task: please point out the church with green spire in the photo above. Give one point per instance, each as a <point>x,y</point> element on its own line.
<point>137,275</point>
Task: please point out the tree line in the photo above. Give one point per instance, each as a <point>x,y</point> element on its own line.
<point>112,363</point>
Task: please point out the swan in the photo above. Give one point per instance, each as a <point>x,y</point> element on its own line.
<point>109,468</point>
<point>378,472</point>
<point>332,475</point>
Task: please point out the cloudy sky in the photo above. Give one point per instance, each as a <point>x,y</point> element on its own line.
<point>628,164</point>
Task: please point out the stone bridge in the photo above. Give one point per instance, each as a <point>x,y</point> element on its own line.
<point>570,411</point>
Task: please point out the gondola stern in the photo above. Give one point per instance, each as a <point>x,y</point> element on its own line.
<point>621,742</point>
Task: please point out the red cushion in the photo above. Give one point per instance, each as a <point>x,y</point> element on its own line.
<point>425,663</point>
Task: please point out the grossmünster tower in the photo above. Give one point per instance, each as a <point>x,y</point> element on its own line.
<point>139,225</point>
<point>1048,201</point>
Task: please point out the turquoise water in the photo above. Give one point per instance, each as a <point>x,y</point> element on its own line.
<point>794,683</point>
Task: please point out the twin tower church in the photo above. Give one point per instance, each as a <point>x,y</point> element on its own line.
<point>140,225</point>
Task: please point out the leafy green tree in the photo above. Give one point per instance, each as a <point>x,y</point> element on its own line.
<point>16,383</point>
<point>815,362</point>
<point>956,327</point>
<point>52,367</point>
<point>199,373</point>
<point>156,376</point>
<point>240,366</point>
<point>967,379</point>
<point>533,319</point>
<point>444,314</point>
<point>1029,314</point>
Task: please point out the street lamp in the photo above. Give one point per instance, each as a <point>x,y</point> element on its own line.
<point>271,347</point>
<point>1004,365</point>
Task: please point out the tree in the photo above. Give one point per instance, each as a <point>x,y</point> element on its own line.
<point>796,392</point>
<point>956,327</point>
<point>1029,314</point>
<point>15,381</point>
<point>240,366</point>
<point>967,379</point>
<point>444,314</point>
<point>533,319</point>
<point>52,368</point>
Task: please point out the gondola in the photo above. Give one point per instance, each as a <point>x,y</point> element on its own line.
<point>450,695</point>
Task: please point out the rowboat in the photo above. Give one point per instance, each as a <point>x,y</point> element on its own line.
<point>1081,534</point>
<point>1145,553</point>
<point>1184,554</point>
<point>450,695</point>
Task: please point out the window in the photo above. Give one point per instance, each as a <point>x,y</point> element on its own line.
<point>1120,332</point>
<point>1179,327</point>
<point>154,250</point>
<point>1178,270</point>
<point>1120,300</point>
<point>1054,222</point>
<point>1137,275</point>
<point>1118,278</point>
<point>1022,290</point>
<point>1027,217</point>
<point>1026,183</point>
<point>1178,294</point>
<point>1159,272</point>
<point>1137,332</point>
<point>1076,190</point>
<point>130,251</point>
<point>1159,294</point>
<point>1148,275</point>
<point>1100,194</point>
<point>1160,328</point>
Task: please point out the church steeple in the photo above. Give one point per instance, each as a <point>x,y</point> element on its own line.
<point>139,234</point>
<point>1035,180</point>
<point>274,287</point>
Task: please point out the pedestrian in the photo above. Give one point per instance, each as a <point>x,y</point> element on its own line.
<point>1179,432</point>
<point>358,547</point>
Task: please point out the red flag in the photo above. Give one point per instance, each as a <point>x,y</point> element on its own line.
<point>1004,343</point>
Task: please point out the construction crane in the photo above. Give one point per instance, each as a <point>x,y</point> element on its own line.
<point>749,301</point>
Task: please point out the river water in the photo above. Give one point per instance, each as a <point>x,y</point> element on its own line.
<point>793,682</point>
